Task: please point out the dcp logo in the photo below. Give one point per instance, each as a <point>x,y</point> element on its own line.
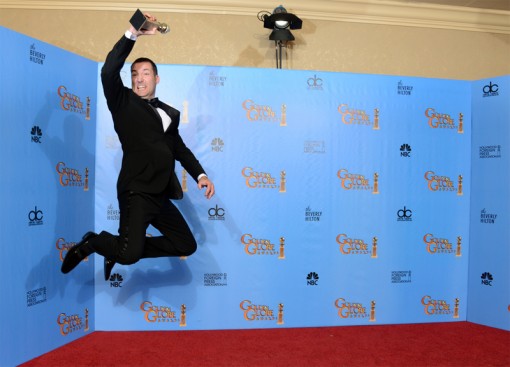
<point>491,88</point>
<point>314,82</point>
<point>35,216</point>
<point>216,213</point>
<point>405,214</point>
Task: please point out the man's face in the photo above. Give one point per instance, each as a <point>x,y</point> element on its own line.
<point>143,80</point>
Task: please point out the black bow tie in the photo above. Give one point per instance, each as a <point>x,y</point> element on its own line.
<point>154,102</point>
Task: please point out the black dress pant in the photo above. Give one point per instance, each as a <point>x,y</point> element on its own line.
<point>137,212</point>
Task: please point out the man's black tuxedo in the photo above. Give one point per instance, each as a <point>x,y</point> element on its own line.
<point>149,153</point>
<point>147,179</point>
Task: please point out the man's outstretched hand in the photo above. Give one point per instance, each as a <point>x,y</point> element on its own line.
<point>209,186</point>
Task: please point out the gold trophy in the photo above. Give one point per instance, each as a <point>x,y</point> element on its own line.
<point>183,316</point>
<point>459,190</point>
<point>86,186</point>
<point>87,111</point>
<point>283,182</point>
<point>280,314</point>
<point>461,123</point>
<point>374,247</point>
<point>140,22</point>
<point>459,241</point>
<point>185,112</point>
<point>376,119</point>
<point>184,180</point>
<point>372,311</point>
<point>86,320</point>
<point>456,309</point>
<point>283,122</point>
<point>282,248</point>
<point>376,184</point>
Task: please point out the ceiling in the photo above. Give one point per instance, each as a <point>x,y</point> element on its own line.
<point>480,4</point>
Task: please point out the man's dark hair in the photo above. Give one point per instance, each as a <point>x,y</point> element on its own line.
<point>144,59</point>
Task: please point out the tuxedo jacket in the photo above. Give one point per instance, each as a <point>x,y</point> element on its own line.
<point>149,153</point>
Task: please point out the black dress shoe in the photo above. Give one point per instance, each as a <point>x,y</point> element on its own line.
<point>78,252</point>
<point>108,266</point>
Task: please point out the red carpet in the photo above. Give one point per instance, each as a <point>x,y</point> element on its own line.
<point>441,344</point>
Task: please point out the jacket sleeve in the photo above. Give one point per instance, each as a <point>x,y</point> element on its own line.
<point>110,73</point>
<point>187,159</point>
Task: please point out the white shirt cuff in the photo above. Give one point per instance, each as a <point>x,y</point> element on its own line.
<point>200,176</point>
<point>130,35</point>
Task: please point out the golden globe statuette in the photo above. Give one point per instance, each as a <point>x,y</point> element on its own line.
<point>86,320</point>
<point>372,311</point>
<point>376,184</point>
<point>456,309</point>
<point>184,181</point>
<point>185,112</point>
<point>280,314</point>
<point>140,22</point>
<point>459,244</point>
<point>461,123</point>
<point>283,121</point>
<point>376,119</point>
<point>283,181</point>
<point>459,189</point>
<point>282,248</point>
<point>183,316</point>
<point>87,111</point>
<point>374,247</point>
<point>86,186</point>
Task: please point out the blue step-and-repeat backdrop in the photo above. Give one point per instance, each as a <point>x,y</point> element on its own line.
<point>342,199</point>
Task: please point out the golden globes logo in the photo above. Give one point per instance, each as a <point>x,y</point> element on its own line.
<point>252,312</point>
<point>157,313</point>
<point>439,183</point>
<point>354,310</point>
<point>355,246</point>
<point>259,246</point>
<point>70,102</point>
<point>354,116</point>
<point>255,112</point>
<point>438,120</point>
<point>71,323</point>
<point>63,246</point>
<point>68,176</point>
<point>435,307</point>
<point>437,245</point>
<point>357,181</point>
<point>263,180</point>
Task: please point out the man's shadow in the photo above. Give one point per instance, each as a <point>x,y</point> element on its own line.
<point>62,142</point>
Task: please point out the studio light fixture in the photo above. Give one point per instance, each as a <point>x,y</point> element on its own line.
<point>280,21</point>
